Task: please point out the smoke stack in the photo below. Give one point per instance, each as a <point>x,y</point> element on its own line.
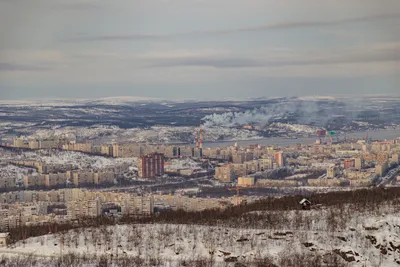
<point>197,138</point>
<point>201,136</point>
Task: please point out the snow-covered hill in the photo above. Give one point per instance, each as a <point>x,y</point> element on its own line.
<point>367,239</point>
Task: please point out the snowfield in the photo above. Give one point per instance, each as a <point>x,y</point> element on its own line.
<point>372,239</point>
<point>76,159</point>
<point>156,134</point>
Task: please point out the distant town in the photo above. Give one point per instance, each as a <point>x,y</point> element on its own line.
<point>145,179</point>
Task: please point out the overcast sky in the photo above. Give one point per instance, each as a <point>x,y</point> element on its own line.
<point>198,49</point>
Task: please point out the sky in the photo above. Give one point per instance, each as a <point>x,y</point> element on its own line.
<point>198,49</point>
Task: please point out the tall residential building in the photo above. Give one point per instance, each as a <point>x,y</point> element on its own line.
<point>266,163</point>
<point>381,169</point>
<point>151,165</point>
<point>138,205</point>
<point>240,169</point>
<point>224,173</point>
<point>280,159</point>
<point>84,208</point>
<point>359,163</point>
<point>238,157</point>
<point>396,158</point>
<point>349,163</point>
<point>331,172</point>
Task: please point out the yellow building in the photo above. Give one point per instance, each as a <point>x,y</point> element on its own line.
<point>246,181</point>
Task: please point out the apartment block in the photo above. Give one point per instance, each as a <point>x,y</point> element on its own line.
<point>332,171</point>
<point>266,164</point>
<point>276,183</point>
<point>246,181</point>
<point>325,182</point>
<point>82,147</point>
<point>349,163</point>
<point>240,169</point>
<point>238,157</point>
<point>55,179</point>
<point>280,159</point>
<point>82,178</point>
<point>396,158</point>
<point>34,180</point>
<point>359,163</point>
<point>106,150</point>
<point>253,165</point>
<point>151,165</point>
<point>138,205</point>
<point>103,178</point>
<point>83,209</point>
<point>381,169</point>
<point>224,173</point>
<point>127,150</point>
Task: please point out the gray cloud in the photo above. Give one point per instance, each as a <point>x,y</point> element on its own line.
<point>306,24</point>
<point>4,66</point>
<point>76,6</point>
<point>357,55</point>
<point>277,26</point>
<point>215,62</point>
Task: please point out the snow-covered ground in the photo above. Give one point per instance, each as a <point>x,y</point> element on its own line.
<point>9,170</point>
<point>155,134</point>
<point>371,238</point>
<point>76,159</point>
<point>188,163</point>
<point>294,128</point>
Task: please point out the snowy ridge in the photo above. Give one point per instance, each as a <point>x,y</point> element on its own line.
<point>369,238</point>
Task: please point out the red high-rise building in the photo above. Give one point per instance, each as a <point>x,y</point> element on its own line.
<point>280,159</point>
<point>151,165</point>
<point>349,163</point>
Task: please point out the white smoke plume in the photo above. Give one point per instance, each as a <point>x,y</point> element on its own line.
<point>295,111</point>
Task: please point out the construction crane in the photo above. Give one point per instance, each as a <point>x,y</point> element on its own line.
<point>238,188</point>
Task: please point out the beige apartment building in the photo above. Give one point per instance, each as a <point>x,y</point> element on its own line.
<point>82,147</point>
<point>396,158</point>
<point>137,205</point>
<point>83,209</point>
<point>82,178</point>
<point>55,179</point>
<point>325,182</point>
<point>381,169</point>
<point>276,183</point>
<point>190,204</point>
<point>224,173</point>
<point>34,180</point>
<point>103,178</point>
<point>106,150</point>
<point>240,169</point>
<point>266,164</point>
<point>127,150</point>
<point>246,181</point>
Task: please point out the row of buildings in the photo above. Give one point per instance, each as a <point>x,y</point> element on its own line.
<point>78,178</point>
<point>228,172</point>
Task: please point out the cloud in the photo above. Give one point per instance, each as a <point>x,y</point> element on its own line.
<point>4,66</point>
<point>276,26</point>
<point>233,62</point>
<point>367,54</point>
<point>76,6</point>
